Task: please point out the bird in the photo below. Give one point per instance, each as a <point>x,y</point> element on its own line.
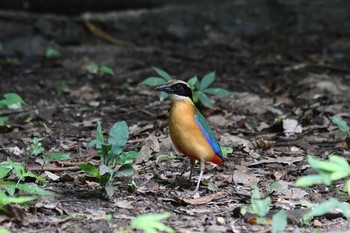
<point>189,131</point>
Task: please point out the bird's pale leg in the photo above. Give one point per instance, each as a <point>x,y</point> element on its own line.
<point>200,176</point>
<point>193,162</point>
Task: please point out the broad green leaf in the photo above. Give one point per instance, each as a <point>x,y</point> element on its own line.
<point>279,221</point>
<point>51,52</point>
<point>163,96</point>
<point>104,152</point>
<point>217,91</point>
<point>195,96</point>
<point>162,73</point>
<point>17,168</point>
<point>153,81</point>
<point>92,68</point>
<point>10,189</point>
<point>204,99</point>
<point>345,208</point>
<point>347,187</point>
<point>193,83</point>
<point>3,120</point>
<point>99,135</point>
<point>106,70</point>
<point>33,188</point>
<point>151,223</point>
<point>310,180</point>
<point>12,101</point>
<point>4,199</point>
<point>342,162</point>
<point>4,171</point>
<point>322,208</point>
<point>110,189</point>
<point>56,156</point>
<point>320,165</point>
<point>207,80</point>
<point>125,170</point>
<point>118,137</point>
<point>342,125</point>
<point>4,230</point>
<point>31,174</point>
<point>90,170</point>
<point>128,157</point>
<point>103,169</point>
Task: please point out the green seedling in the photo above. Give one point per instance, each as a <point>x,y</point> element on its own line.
<point>94,69</point>
<point>259,207</point>
<point>149,223</point>
<point>327,172</point>
<point>19,171</point>
<point>36,147</point>
<point>343,126</point>
<point>114,162</point>
<point>200,88</point>
<point>51,52</point>
<point>3,120</point>
<point>279,221</point>
<point>11,101</point>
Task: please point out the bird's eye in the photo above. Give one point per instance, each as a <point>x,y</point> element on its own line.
<point>178,87</point>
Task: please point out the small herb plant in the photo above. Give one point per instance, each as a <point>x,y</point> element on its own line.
<point>19,171</point>
<point>51,52</point>
<point>200,88</point>
<point>328,171</point>
<point>149,223</point>
<point>259,207</point>
<point>114,162</point>
<point>11,101</point>
<point>94,69</point>
<point>343,126</point>
<point>36,149</point>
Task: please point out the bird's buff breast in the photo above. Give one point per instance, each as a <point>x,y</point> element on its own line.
<point>186,134</point>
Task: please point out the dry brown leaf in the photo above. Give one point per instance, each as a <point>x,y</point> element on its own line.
<point>205,199</point>
<point>246,179</point>
<point>150,146</point>
<point>285,160</point>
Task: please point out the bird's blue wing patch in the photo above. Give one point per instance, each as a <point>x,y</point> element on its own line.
<point>208,133</point>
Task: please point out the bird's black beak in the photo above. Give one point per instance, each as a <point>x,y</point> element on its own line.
<point>165,88</point>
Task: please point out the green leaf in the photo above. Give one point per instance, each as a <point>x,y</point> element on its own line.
<point>4,230</point>
<point>106,70</point>
<point>90,170</point>
<point>125,171</point>
<point>320,165</point>
<point>34,189</point>
<point>12,101</point>
<point>51,52</point>
<point>18,168</point>
<point>207,80</point>
<point>56,156</point>
<point>4,171</point>
<point>3,120</point>
<point>322,208</point>
<point>193,83</point>
<point>342,125</point>
<point>226,150</point>
<point>153,81</point>
<point>345,208</point>
<point>92,68</point>
<point>162,73</point>
<point>31,174</point>
<point>310,180</point>
<point>128,157</point>
<point>195,96</point>
<point>217,91</point>
<point>4,199</point>
<point>118,137</point>
<point>279,221</point>
<point>163,96</point>
<point>204,99</point>
<point>151,223</point>
<point>105,170</point>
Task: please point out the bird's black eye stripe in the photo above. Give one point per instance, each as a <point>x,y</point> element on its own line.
<point>182,89</point>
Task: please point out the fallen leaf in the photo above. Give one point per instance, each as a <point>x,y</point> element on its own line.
<point>246,179</point>
<point>285,160</point>
<point>150,145</point>
<point>124,204</point>
<point>203,200</point>
<point>51,176</point>
<point>291,127</point>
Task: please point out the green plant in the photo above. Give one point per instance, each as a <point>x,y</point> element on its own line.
<point>200,88</point>
<point>149,223</point>
<point>343,126</point>
<point>11,101</point>
<point>19,171</point>
<point>327,172</point>
<point>94,69</point>
<point>3,120</point>
<point>279,221</point>
<point>51,52</point>
<point>114,162</point>
<point>36,147</point>
<point>259,207</point>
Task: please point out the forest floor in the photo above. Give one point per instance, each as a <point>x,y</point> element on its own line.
<point>280,60</point>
